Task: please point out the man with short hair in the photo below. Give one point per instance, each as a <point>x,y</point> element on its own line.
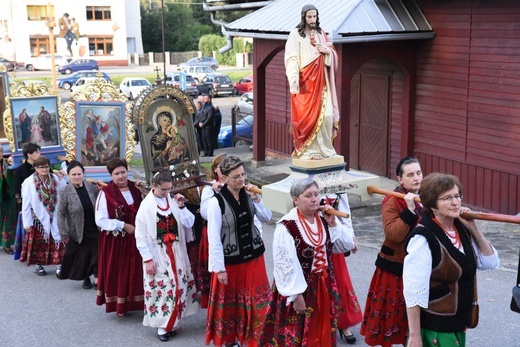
<point>207,115</point>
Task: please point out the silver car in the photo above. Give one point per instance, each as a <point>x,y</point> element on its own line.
<point>174,79</point>
<point>198,72</point>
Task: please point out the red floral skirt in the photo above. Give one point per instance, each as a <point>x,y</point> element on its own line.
<point>120,274</point>
<point>237,310</point>
<point>37,250</point>
<point>316,328</point>
<point>384,321</point>
<point>203,276</point>
<point>349,311</point>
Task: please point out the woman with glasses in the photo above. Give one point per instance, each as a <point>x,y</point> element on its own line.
<point>160,232</point>
<point>43,245</point>
<point>384,320</point>
<point>120,271</point>
<point>239,289</point>
<point>439,275</point>
<point>77,223</point>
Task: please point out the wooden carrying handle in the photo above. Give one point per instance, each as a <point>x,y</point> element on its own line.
<point>101,183</point>
<point>494,217</point>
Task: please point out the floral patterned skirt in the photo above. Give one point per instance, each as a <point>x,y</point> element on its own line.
<point>171,293</point>
<point>316,328</point>
<point>37,250</point>
<point>203,275</point>
<point>384,321</point>
<point>237,310</point>
<point>349,311</point>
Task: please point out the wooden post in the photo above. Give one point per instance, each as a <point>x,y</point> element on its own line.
<point>51,23</point>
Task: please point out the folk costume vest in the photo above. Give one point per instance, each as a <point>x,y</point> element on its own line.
<point>452,282</point>
<point>241,240</point>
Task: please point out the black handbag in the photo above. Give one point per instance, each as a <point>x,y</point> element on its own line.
<point>515,300</point>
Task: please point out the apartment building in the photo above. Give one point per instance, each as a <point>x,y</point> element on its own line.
<point>108,30</point>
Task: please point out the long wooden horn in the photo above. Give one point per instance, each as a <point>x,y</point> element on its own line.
<point>494,217</point>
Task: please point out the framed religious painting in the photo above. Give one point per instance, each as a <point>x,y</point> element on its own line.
<point>36,120</point>
<point>100,132</point>
<point>164,116</point>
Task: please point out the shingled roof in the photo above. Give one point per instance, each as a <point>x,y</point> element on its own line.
<point>343,20</point>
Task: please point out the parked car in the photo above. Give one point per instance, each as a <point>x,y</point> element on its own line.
<point>245,104</point>
<point>216,84</point>
<point>80,83</point>
<point>67,82</point>
<point>200,61</point>
<point>77,65</point>
<point>133,86</point>
<point>174,79</point>
<point>244,128</point>
<point>9,65</point>
<point>43,62</point>
<point>244,85</point>
<point>198,72</point>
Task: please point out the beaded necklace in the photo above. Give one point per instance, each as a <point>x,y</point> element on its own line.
<point>453,235</point>
<point>315,238</point>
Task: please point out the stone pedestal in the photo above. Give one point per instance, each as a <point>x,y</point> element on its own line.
<point>331,179</point>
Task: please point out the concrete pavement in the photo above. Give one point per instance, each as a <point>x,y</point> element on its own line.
<point>44,311</point>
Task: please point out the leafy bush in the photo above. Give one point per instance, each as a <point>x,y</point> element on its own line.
<point>213,43</point>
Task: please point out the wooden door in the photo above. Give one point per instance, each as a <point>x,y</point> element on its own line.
<point>369,122</point>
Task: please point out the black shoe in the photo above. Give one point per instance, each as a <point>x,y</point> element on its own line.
<point>8,250</point>
<point>350,339</point>
<point>173,333</point>
<point>40,271</point>
<point>164,337</point>
<point>87,284</point>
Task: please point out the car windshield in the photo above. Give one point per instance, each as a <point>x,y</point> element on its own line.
<point>223,79</point>
<point>136,83</point>
<point>246,121</point>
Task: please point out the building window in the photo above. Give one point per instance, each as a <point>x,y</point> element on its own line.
<point>101,45</point>
<point>99,13</point>
<point>40,45</point>
<point>36,12</point>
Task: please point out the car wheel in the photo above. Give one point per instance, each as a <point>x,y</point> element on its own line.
<point>235,92</point>
<point>66,86</point>
<point>68,71</point>
<point>241,143</point>
<point>214,67</point>
<point>29,67</point>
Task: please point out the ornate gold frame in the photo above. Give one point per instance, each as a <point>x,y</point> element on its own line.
<point>96,91</point>
<point>34,90</point>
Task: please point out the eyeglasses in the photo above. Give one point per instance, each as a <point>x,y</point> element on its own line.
<point>450,198</point>
<point>42,167</point>
<point>237,177</point>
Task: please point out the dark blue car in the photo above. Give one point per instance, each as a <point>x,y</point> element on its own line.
<point>67,82</point>
<point>244,129</point>
<point>77,65</point>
